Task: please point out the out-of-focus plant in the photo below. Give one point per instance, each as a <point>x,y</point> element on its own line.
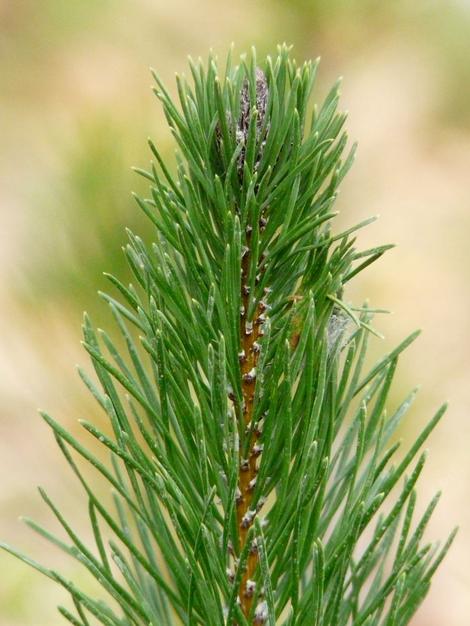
<point>253,473</point>
<point>84,216</point>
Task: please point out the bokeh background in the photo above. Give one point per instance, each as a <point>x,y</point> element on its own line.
<point>75,111</point>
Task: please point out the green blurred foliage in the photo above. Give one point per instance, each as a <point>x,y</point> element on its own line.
<point>75,110</point>
<point>84,215</point>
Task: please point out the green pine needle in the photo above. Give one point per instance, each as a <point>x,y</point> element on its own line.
<point>250,462</point>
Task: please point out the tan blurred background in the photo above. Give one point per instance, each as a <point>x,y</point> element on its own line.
<point>75,111</point>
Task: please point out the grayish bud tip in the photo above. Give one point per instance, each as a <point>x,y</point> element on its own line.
<point>246,107</point>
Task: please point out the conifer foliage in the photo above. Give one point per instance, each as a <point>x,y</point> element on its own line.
<point>253,465</point>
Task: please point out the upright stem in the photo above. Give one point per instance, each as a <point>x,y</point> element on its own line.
<point>250,332</point>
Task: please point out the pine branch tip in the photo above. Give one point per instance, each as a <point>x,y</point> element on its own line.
<point>245,430</point>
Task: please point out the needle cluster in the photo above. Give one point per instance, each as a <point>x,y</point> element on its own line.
<point>255,474</point>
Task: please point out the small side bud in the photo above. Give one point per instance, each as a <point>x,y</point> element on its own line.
<point>261,614</point>
<point>247,519</point>
<point>250,376</point>
<point>244,465</point>
<point>261,502</point>
<point>250,588</point>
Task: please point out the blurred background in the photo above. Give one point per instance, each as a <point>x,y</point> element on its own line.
<point>75,111</point>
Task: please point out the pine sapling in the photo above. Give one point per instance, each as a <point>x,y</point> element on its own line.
<point>255,474</point>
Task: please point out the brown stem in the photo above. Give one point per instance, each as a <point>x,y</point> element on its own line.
<point>250,333</point>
